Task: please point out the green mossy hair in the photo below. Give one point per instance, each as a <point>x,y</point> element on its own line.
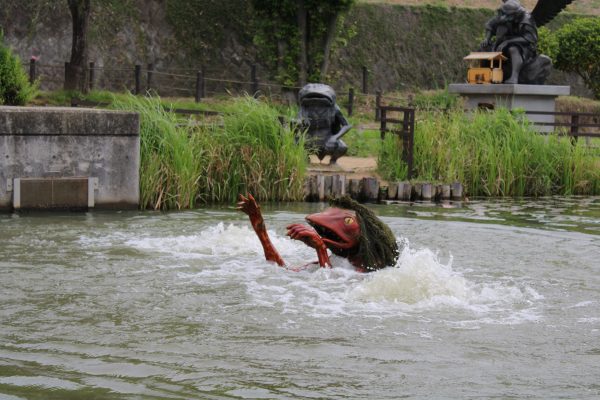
<point>377,244</point>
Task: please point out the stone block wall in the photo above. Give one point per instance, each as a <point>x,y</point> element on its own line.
<point>54,143</point>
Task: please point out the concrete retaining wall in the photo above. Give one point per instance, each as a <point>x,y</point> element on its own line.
<point>49,142</point>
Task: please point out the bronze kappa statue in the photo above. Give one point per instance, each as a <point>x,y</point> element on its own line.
<point>323,121</point>
<point>513,31</point>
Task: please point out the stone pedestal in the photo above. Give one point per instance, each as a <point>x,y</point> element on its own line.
<point>527,97</point>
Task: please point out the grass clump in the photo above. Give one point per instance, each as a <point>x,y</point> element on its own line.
<point>253,151</point>
<point>494,154</point>
<point>185,161</point>
<point>171,160</point>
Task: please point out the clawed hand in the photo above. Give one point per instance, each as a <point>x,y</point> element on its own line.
<point>305,234</point>
<point>248,205</point>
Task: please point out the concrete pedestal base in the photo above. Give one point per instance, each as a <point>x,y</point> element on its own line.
<point>526,97</point>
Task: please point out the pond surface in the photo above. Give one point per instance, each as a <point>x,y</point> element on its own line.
<point>488,300</point>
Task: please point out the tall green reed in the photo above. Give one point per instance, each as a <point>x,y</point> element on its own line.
<point>171,160</point>
<point>185,162</point>
<point>494,154</point>
<point>253,151</point>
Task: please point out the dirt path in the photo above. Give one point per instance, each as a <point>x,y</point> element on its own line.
<point>352,167</point>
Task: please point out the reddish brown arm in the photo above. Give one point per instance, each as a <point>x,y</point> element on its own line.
<point>249,206</point>
<point>311,238</point>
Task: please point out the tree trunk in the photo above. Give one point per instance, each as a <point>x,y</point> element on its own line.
<point>303,33</point>
<point>328,44</point>
<point>75,76</point>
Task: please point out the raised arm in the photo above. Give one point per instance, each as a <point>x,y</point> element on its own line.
<point>249,206</point>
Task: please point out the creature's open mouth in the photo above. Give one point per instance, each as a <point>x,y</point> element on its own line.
<point>326,233</point>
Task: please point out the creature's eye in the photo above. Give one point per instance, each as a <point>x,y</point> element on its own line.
<point>348,220</point>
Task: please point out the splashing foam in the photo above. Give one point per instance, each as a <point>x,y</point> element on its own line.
<point>418,276</point>
<point>420,281</point>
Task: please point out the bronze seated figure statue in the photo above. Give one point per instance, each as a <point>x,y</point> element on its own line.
<point>513,31</point>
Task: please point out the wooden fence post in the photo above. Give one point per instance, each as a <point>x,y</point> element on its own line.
<point>365,77</point>
<point>383,125</point>
<point>138,79</point>
<point>32,70</point>
<point>574,128</point>
<point>149,77</point>
<point>254,81</point>
<point>199,80</point>
<point>350,101</point>
<point>66,74</point>
<point>92,76</point>
<point>378,106</point>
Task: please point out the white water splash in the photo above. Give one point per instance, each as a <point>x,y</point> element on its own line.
<point>419,281</point>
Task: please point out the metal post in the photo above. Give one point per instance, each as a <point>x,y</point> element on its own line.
<point>138,79</point>
<point>350,101</point>
<point>92,76</point>
<point>32,70</point>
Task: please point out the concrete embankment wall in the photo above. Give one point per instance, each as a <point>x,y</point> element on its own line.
<point>50,157</point>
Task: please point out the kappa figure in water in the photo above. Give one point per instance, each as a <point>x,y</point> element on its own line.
<point>347,229</point>
<point>513,31</point>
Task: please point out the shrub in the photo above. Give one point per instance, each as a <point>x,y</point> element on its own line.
<point>15,89</point>
<point>575,47</point>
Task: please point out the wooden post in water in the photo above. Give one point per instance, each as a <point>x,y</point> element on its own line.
<point>417,191</point>
<point>445,192</point>
<point>338,187</point>
<point>370,189</point>
<point>321,187</point>
<point>456,191</point>
<point>393,190</point>
<point>427,192</point>
<point>328,186</point>
<point>354,188</point>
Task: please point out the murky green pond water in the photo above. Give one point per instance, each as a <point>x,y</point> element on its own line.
<point>488,300</point>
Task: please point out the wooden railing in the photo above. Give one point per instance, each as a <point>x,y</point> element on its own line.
<point>400,121</point>
<point>578,124</point>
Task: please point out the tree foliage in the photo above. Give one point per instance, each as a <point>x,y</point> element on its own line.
<point>296,36</point>
<point>575,47</point>
<point>15,89</point>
